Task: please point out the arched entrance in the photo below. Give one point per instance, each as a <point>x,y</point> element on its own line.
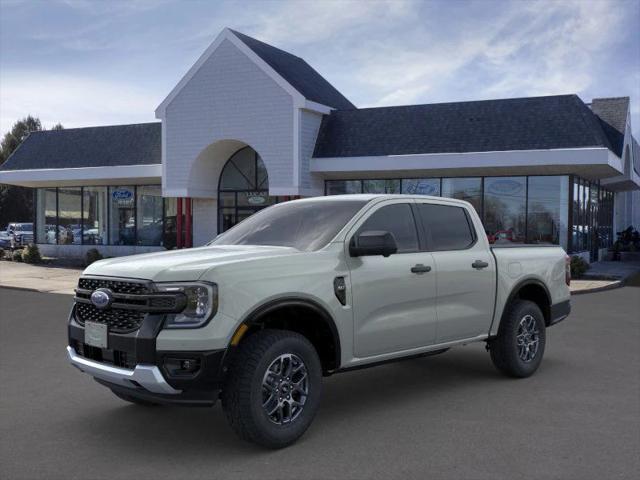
<point>243,188</point>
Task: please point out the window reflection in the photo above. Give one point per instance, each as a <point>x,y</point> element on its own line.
<point>381,186</point>
<point>547,215</point>
<point>421,186</point>
<point>149,215</point>
<point>94,215</point>
<point>69,216</point>
<point>341,187</point>
<point>46,216</point>
<point>469,189</point>
<point>504,209</point>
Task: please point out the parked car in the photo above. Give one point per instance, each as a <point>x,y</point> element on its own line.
<point>310,288</point>
<point>19,234</point>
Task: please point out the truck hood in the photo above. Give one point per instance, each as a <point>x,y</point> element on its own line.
<point>182,265</point>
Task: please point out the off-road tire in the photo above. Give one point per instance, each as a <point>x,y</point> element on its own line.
<point>504,348</point>
<point>137,401</point>
<point>242,393</point>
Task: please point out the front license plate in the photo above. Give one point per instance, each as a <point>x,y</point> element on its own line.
<point>95,334</point>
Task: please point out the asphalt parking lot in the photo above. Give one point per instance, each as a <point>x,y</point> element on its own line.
<point>448,416</point>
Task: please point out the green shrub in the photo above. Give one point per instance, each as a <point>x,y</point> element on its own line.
<point>31,254</point>
<point>1,253</point>
<point>16,256</point>
<point>578,266</point>
<point>93,255</point>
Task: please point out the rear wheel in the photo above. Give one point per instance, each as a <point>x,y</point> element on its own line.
<point>273,388</point>
<point>518,349</point>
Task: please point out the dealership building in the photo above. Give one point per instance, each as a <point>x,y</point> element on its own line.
<point>250,125</point>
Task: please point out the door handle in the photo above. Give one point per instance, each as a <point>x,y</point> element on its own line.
<point>479,264</point>
<point>420,268</point>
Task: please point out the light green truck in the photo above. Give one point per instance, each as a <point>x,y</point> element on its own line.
<point>306,289</point>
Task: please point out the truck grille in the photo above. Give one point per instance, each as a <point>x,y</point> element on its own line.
<point>132,300</point>
<point>116,286</point>
<point>119,320</point>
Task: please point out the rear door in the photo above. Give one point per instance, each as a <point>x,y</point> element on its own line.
<point>393,297</point>
<point>465,271</point>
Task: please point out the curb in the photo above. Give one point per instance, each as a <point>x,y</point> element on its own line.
<point>611,286</point>
<point>29,289</point>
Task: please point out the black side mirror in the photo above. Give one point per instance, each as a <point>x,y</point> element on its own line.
<point>373,242</point>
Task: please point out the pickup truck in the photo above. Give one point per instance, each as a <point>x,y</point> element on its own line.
<point>306,289</point>
<point>18,235</point>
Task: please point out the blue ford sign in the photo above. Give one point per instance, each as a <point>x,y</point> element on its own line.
<point>102,298</point>
<point>122,194</point>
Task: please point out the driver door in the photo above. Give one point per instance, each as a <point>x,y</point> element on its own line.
<point>394,307</point>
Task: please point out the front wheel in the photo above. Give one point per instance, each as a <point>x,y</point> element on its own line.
<point>273,388</point>
<point>518,349</point>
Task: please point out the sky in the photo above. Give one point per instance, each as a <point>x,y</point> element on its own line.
<point>101,62</point>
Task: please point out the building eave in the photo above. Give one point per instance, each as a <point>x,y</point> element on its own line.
<point>84,176</point>
<point>593,162</point>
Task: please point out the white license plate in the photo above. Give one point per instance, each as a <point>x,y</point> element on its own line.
<point>96,334</point>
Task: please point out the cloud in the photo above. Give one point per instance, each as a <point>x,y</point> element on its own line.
<point>534,48</point>
<point>72,100</point>
<point>295,22</point>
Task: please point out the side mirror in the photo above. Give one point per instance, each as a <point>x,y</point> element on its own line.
<point>373,242</point>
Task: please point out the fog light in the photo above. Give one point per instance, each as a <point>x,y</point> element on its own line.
<point>177,367</point>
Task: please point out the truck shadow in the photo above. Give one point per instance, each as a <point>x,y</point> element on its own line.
<point>357,396</point>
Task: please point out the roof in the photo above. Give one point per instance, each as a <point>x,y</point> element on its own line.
<point>612,113</point>
<point>298,73</point>
<point>534,123</point>
<point>136,144</point>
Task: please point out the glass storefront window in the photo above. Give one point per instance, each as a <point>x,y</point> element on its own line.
<point>504,209</point>
<point>341,187</point>
<point>122,219</point>
<point>548,210</point>
<point>70,216</point>
<point>94,215</point>
<point>381,186</point>
<point>421,186</point>
<point>149,215</point>
<point>46,216</point>
<point>469,189</point>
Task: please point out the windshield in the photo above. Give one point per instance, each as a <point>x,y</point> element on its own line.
<point>306,226</point>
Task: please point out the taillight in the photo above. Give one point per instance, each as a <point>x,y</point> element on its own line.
<point>567,270</point>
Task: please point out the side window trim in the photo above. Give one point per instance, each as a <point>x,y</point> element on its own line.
<point>427,233</point>
<point>370,213</point>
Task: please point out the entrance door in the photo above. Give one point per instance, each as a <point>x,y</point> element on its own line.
<point>394,308</point>
<point>243,189</point>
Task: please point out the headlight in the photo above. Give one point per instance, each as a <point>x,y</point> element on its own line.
<point>202,304</point>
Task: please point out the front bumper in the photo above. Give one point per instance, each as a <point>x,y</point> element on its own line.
<point>148,377</point>
<point>133,365</point>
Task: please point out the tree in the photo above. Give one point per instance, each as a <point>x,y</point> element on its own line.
<point>16,203</point>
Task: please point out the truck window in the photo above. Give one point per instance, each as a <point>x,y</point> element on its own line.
<point>398,220</point>
<point>447,227</point>
<point>306,226</point>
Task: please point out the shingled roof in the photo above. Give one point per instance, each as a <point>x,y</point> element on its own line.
<point>137,144</point>
<point>534,123</point>
<point>612,113</point>
<point>298,73</point>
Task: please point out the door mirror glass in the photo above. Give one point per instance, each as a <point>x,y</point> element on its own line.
<point>373,242</point>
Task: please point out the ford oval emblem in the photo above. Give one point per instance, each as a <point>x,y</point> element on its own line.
<point>102,298</point>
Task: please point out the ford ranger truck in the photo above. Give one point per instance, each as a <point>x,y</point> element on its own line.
<point>305,289</point>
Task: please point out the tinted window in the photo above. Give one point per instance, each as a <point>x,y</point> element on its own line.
<point>398,220</point>
<point>306,226</point>
<point>447,226</point>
